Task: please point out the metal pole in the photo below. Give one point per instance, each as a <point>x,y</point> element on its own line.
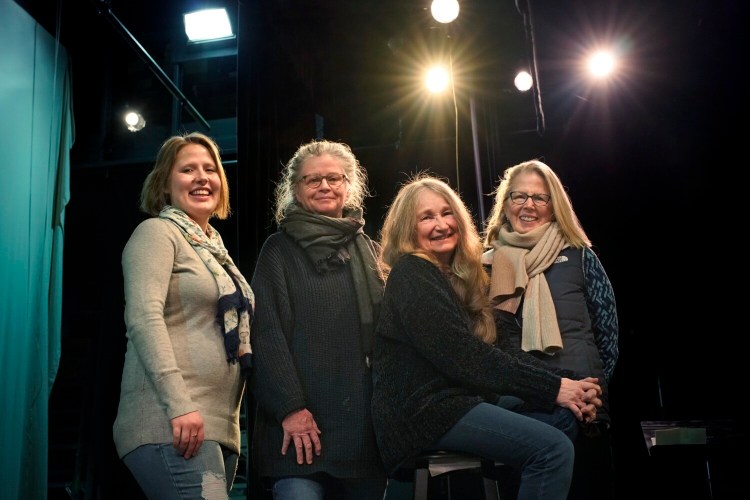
<point>477,166</point>
<point>153,65</point>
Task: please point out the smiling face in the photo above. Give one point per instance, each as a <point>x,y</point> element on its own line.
<point>194,185</point>
<point>324,199</point>
<point>437,228</point>
<point>523,218</point>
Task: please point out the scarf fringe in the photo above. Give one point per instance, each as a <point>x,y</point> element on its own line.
<point>238,302</point>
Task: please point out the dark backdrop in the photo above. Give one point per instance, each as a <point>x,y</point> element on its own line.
<point>646,161</point>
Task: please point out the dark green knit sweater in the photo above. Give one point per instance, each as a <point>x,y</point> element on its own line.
<point>430,370</point>
<point>307,354</point>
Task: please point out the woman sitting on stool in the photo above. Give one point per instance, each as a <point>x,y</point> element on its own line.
<point>438,379</point>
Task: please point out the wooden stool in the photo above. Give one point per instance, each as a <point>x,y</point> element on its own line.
<point>419,468</point>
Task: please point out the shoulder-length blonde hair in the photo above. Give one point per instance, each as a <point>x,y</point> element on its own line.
<point>355,174</point>
<point>562,207</point>
<point>467,275</point>
<point>154,196</point>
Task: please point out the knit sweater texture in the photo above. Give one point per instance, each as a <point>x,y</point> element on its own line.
<point>429,369</point>
<point>308,354</point>
<point>175,361</point>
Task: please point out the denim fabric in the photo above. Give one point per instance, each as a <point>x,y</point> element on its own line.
<point>319,486</point>
<point>542,453</point>
<point>164,474</point>
<point>560,418</point>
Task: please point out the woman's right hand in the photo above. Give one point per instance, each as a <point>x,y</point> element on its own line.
<point>300,427</point>
<point>582,397</point>
<point>187,433</point>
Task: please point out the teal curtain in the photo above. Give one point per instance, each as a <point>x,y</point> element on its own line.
<point>36,134</point>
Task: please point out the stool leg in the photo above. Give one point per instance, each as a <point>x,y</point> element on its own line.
<point>421,478</point>
<point>490,489</point>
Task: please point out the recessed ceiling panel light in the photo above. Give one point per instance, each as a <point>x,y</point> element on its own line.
<point>208,25</point>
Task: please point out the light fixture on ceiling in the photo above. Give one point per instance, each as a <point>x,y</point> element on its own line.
<point>444,11</point>
<point>208,25</point>
<point>523,81</point>
<point>134,121</point>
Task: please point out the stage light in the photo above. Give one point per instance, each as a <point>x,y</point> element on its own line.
<point>523,81</point>
<point>134,121</point>
<point>601,64</point>
<point>437,79</point>
<point>208,25</point>
<point>444,11</point>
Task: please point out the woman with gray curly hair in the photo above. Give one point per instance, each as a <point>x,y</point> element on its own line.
<point>319,287</point>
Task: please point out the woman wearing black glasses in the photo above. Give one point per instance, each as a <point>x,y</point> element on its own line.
<point>553,299</point>
<point>318,287</point>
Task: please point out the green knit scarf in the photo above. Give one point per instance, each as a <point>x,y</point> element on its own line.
<point>332,242</point>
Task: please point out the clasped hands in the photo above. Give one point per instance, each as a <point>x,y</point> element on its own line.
<point>300,427</point>
<point>582,397</point>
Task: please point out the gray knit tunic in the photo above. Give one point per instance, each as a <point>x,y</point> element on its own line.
<point>307,354</point>
<point>175,361</point>
<point>429,368</point>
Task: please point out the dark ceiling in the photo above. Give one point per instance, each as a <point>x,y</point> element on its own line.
<point>349,63</point>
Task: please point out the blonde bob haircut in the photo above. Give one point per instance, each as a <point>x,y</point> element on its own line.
<point>154,195</point>
<point>290,175</point>
<point>466,274</point>
<point>562,207</point>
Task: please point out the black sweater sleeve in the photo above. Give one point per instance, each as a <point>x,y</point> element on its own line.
<point>437,328</point>
<point>274,379</point>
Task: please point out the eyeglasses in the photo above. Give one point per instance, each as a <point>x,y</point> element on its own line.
<point>313,181</point>
<point>520,198</point>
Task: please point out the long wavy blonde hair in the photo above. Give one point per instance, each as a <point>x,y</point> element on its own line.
<point>467,275</point>
<point>562,207</point>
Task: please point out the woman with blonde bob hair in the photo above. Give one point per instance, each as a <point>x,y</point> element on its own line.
<point>188,311</point>
<point>439,383</point>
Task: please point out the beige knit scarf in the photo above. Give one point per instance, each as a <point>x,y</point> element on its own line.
<point>518,265</point>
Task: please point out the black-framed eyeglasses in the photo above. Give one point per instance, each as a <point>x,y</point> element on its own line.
<point>314,181</point>
<point>520,198</point>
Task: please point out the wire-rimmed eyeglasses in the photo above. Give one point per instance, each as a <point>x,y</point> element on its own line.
<point>520,198</point>
<point>314,181</point>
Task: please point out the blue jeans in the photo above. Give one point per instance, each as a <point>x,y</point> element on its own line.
<point>321,486</point>
<point>541,452</point>
<point>560,418</point>
<point>164,474</point>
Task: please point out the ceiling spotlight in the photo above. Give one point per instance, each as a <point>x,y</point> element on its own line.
<point>523,81</point>
<point>437,79</point>
<point>208,25</point>
<point>444,11</point>
<point>134,121</point>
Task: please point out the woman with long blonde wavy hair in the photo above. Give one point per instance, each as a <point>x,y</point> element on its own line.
<point>439,382</point>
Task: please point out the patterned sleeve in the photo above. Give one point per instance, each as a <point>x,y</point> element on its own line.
<point>600,300</point>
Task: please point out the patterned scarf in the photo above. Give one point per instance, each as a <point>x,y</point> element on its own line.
<point>518,265</point>
<point>236,300</point>
<point>331,242</point>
